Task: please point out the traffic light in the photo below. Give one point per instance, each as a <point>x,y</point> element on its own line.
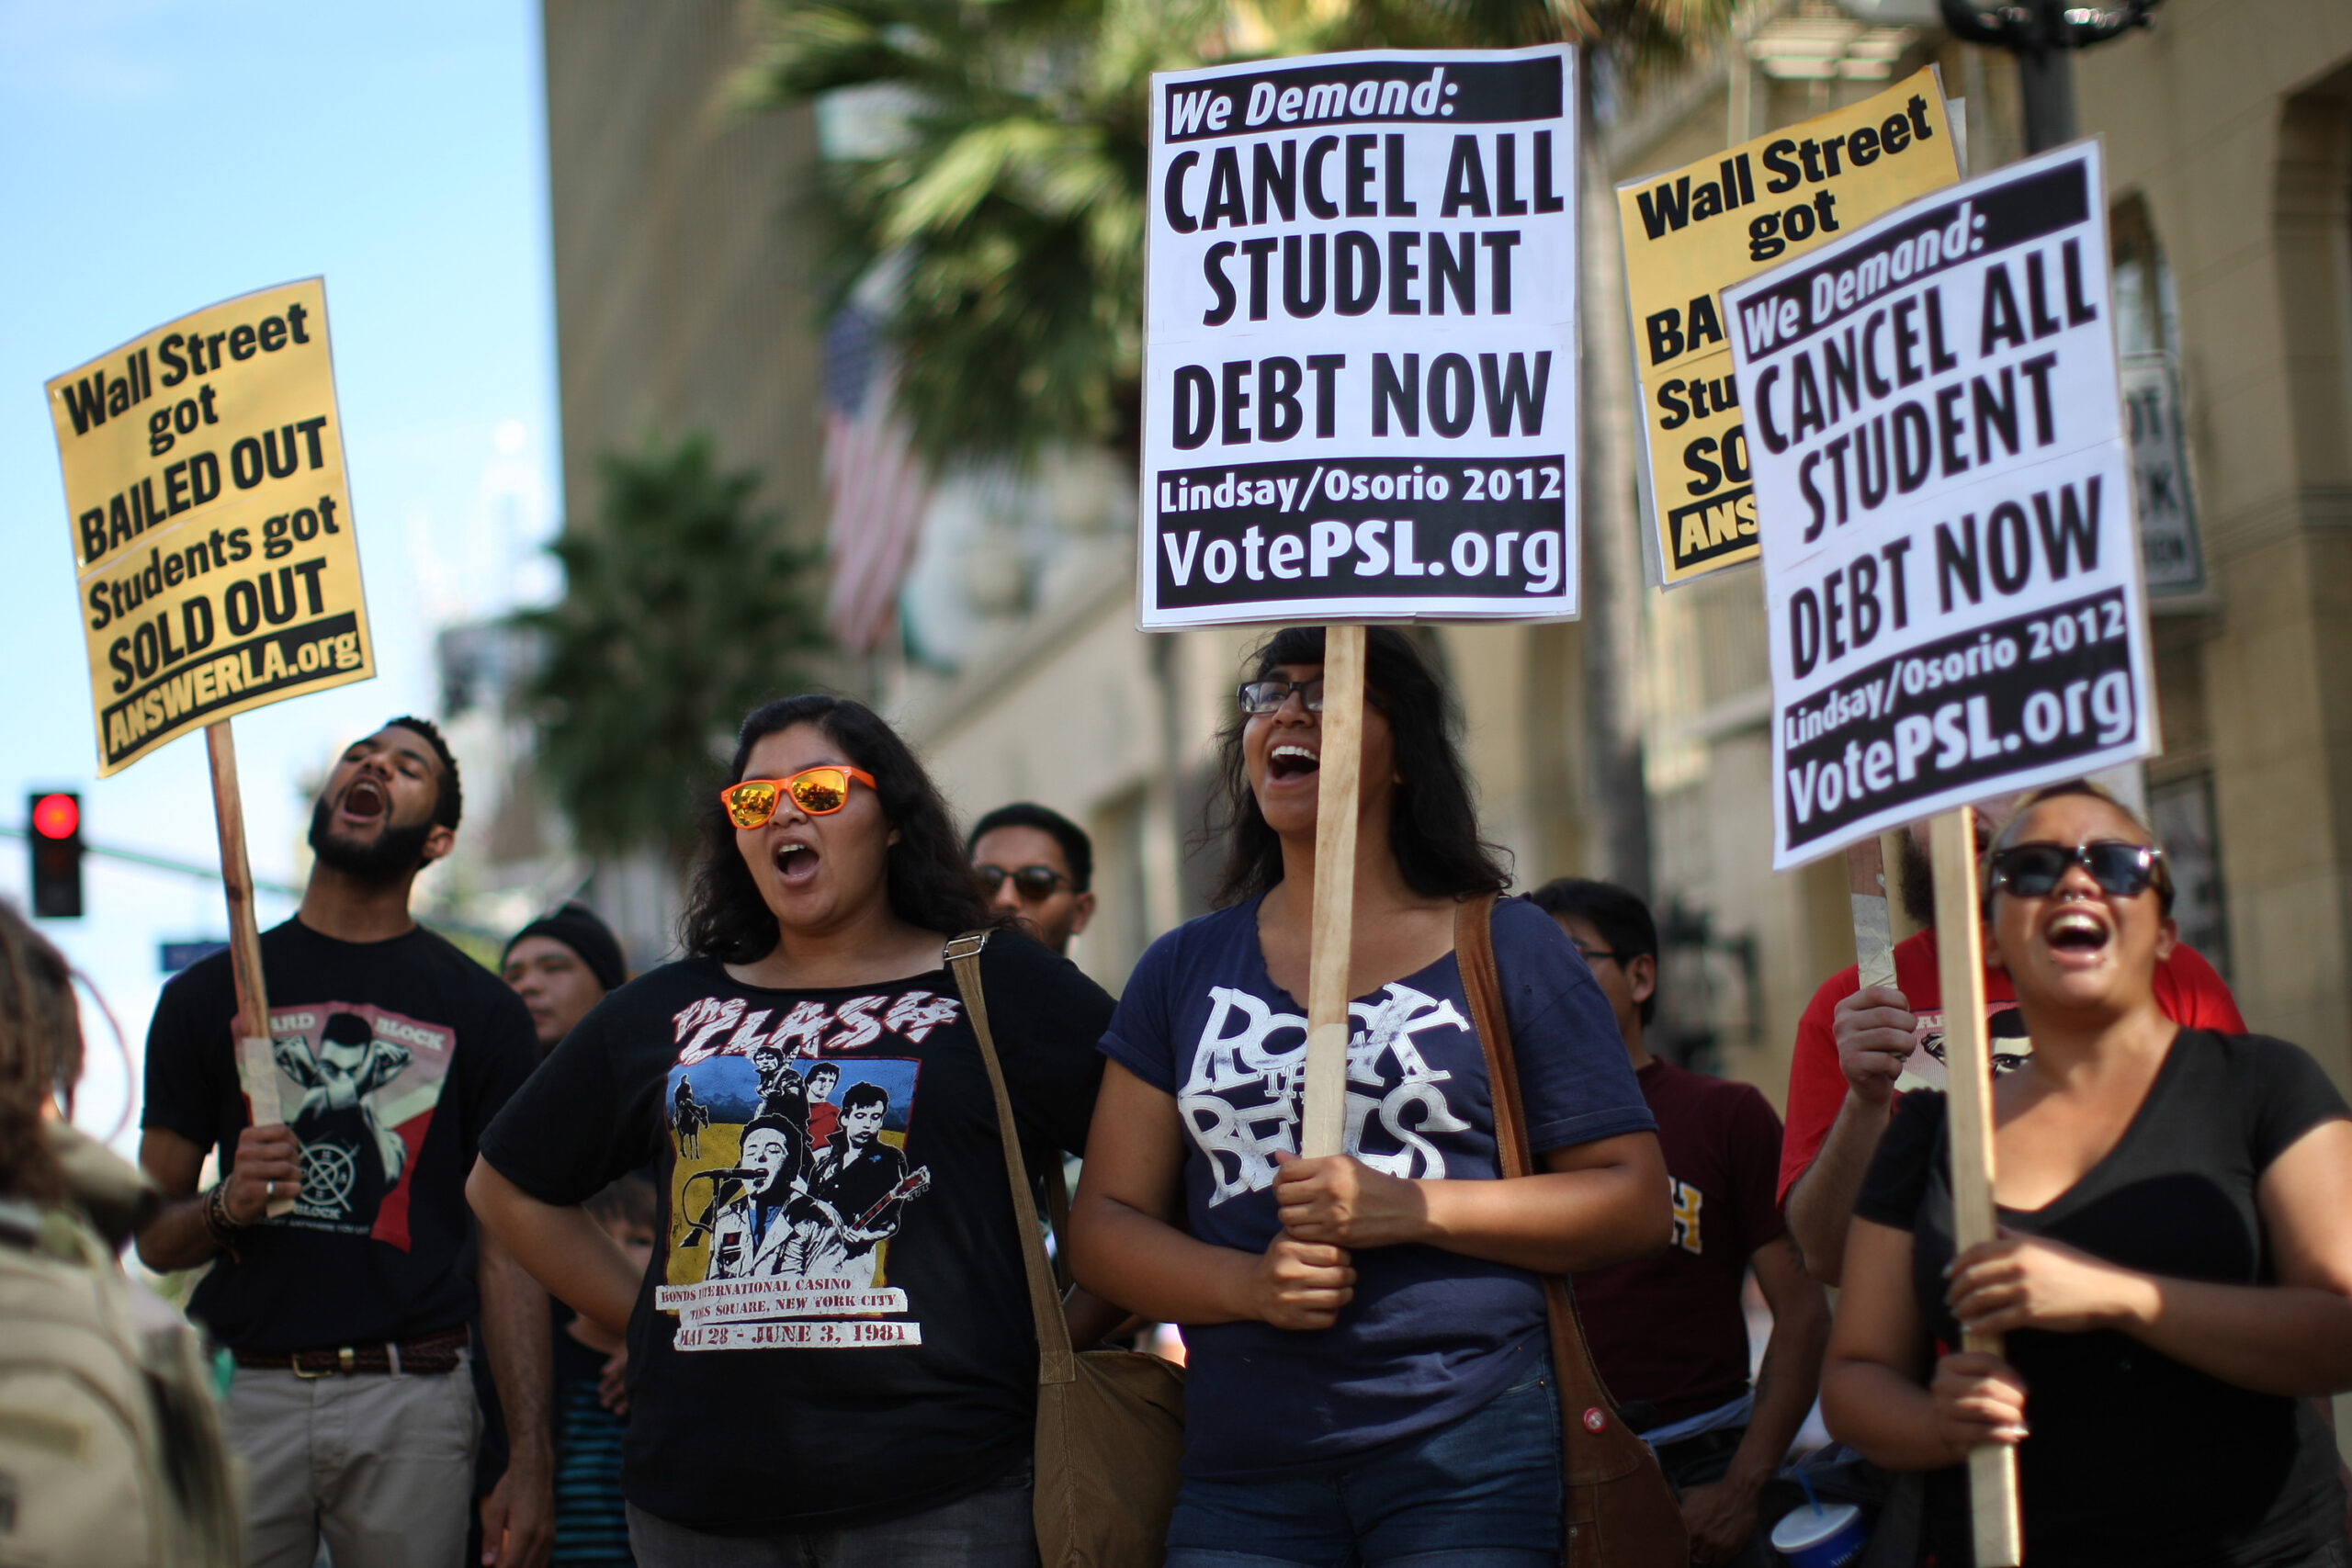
<point>56,843</point>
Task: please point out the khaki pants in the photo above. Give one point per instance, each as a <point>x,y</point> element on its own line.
<point>379,1466</point>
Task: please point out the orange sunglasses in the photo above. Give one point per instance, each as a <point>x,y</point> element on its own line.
<point>817,791</point>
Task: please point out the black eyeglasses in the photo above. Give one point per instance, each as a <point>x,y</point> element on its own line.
<point>2032,870</point>
<point>1268,696</point>
<point>1594,954</point>
<point>1030,883</point>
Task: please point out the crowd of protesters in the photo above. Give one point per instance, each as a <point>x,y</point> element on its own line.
<point>714,1266</point>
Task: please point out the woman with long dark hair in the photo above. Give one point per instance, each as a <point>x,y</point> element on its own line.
<point>2174,1275</point>
<point>1368,1375</point>
<point>831,1355</point>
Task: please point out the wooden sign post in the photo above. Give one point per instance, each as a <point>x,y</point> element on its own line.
<point>1339,765</point>
<point>1968,1073</point>
<point>256,1067</point>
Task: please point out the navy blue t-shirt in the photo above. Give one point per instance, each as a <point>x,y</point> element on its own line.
<point>1430,1336</point>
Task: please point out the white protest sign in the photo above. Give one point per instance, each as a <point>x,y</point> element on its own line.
<point>1945,506</point>
<point>1361,366</point>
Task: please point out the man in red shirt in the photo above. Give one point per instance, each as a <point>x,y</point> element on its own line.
<point>1670,1332</point>
<point>1857,1049</point>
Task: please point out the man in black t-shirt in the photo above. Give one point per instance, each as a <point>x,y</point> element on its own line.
<point>390,1052</point>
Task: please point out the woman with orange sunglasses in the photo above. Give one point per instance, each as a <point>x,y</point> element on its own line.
<point>832,1356</point>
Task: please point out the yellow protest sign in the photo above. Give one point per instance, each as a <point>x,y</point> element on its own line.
<point>215,565</point>
<point>1693,232</point>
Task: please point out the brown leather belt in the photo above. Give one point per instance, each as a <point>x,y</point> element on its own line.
<point>435,1352</point>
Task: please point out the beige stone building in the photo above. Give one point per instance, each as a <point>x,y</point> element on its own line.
<point>2228,132</point>
<point>683,297</point>
<point>2229,146</point>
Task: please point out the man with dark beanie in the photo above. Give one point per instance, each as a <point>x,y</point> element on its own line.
<point>561,965</point>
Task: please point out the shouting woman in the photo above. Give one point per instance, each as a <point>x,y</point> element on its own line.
<point>865,1394</point>
<point>1369,1377</point>
<point>2175,1269</point>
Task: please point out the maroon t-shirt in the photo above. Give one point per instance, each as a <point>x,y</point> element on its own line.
<point>1669,1330</point>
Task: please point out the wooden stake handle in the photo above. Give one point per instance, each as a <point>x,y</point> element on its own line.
<point>1323,1118</point>
<point>1968,1079</point>
<point>257,1068</point>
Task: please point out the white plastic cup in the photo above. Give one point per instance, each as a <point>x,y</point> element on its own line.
<point>1827,1537</point>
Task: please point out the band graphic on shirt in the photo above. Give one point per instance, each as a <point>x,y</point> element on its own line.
<point>1240,1101</point>
<point>1686,1200</point>
<point>2004,1031</point>
<point>363,1082</point>
<point>791,1174</point>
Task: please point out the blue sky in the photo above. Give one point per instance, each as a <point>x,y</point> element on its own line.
<point>157,155</point>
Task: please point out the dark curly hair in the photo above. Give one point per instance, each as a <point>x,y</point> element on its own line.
<point>928,880</point>
<point>1432,820</point>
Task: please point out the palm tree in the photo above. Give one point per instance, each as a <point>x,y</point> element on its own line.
<point>1015,204</point>
<point>681,609</point>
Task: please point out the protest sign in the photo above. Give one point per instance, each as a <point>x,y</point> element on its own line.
<point>1693,231</point>
<point>2168,547</point>
<point>1360,366</point>
<point>1944,497</point>
<point>215,565</point>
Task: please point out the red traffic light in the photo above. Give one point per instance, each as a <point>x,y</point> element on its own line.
<point>57,816</point>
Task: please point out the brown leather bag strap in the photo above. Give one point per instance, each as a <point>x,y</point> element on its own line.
<point>1584,1399</point>
<point>1056,1361</point>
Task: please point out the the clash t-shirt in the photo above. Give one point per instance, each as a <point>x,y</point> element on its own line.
<point>1669,1330</point>
<point>835,1328</point>
<point>391,1057</point>
<point>2187,989</point>
<point>1429,1336</point>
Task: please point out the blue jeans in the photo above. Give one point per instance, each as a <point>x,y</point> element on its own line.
<point>990,1528</point>
<point>1482,1493</point>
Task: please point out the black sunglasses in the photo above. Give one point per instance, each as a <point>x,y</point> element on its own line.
<point>1030,884</point>
<point>2032,870</point>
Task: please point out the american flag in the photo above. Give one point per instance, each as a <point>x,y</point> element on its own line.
<point>875,485</point>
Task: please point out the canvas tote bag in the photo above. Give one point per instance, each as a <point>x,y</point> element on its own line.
<point>1110,1423</point>
<point>1620,1510</point>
